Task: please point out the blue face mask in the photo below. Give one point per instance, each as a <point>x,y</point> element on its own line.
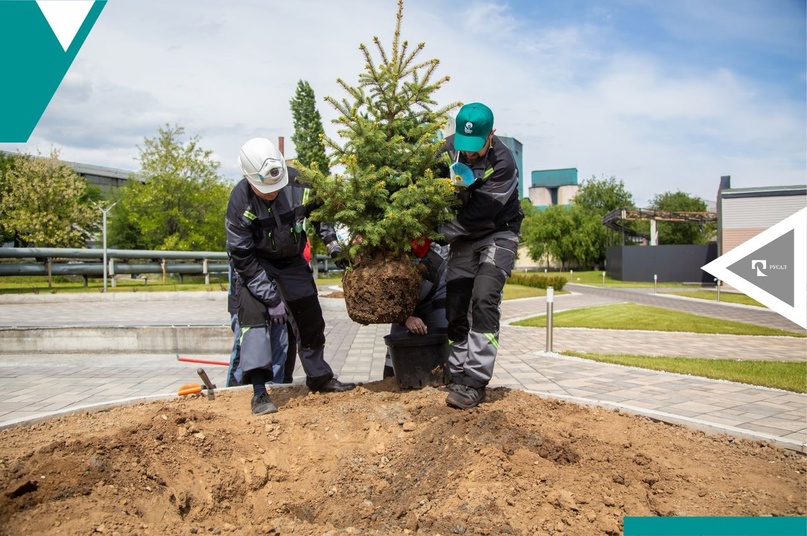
<point>461,174</point>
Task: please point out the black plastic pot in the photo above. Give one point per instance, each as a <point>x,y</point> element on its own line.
<point>419,360</point>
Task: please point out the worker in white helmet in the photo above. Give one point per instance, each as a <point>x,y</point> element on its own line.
<point>265,226</point>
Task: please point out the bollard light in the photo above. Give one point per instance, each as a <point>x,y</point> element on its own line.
<point>104,211</point>
<point>550,298</point>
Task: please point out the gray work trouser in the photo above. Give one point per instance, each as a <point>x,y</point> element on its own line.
<point>477,271</point>
<point>296,285</point>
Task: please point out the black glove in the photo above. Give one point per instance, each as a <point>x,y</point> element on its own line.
<point>340,263</point>
<point>277,314</point>
<point>433,264</point>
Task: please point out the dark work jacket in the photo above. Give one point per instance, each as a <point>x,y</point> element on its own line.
<point>492,203</point>
<point>269,232</point>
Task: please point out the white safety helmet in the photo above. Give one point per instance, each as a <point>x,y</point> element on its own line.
<point>263,165</point>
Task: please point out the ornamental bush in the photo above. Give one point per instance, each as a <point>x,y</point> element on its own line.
<point>557,282</point>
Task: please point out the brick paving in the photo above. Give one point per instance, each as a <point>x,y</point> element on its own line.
<point>41,384</point>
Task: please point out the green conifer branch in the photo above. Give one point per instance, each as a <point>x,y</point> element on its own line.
<point>385,189</point>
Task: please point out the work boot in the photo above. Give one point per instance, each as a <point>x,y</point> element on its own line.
<point>333,386</point>
<point>261,404</point>
<point>389,372</point>
<point>465,397</point>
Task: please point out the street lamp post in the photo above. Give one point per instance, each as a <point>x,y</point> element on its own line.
<point>104,211</point>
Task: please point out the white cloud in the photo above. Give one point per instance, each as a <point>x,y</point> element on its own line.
<point>577,92</point>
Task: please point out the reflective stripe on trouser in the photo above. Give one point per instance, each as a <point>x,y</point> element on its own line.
<point>299,292</point>
<point>471,361</point>
<point>278,349</point>
<point>477,271</point>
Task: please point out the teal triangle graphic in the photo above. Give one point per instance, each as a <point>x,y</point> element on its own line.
<point>35,60</point>
<point>65,17</point>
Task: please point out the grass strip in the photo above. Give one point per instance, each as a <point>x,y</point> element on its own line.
<point>786,375</point>
<point>711,295</point>
<point>632,316</point>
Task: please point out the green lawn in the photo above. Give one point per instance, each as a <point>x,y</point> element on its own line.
<point>75,284</point>
<point>644,317</point>
<point>776,374</point>
<point>514,292</point>
<point>711,295</point>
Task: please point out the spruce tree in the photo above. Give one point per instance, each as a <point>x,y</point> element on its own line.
<point>387,193</point>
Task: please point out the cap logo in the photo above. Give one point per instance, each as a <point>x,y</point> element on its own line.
<point>469,127</point>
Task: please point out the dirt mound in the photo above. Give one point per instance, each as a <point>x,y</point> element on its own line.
<point>377,461</point>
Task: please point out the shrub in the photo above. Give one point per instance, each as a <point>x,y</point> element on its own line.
<point>557,282</point>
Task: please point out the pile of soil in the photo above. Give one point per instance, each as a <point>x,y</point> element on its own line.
<point>377,461</point>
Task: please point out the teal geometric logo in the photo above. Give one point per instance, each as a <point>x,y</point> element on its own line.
<point>715,526</point>
<point>39,41</point>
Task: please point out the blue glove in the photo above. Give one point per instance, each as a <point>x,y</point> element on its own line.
<point>277,314</point>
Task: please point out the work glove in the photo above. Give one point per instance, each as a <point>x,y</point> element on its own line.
<point>336,257</point>
<point>277,314</point>
<point>420,247</point>
<point>432,264</point>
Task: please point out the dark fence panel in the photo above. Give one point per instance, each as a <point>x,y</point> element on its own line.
<point>668,263</point>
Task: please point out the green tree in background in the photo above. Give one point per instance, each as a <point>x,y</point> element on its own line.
<point>574,235</point>
<point>7,161</point>
<point>678,232</point>
<point>181,203</point>
<point>547,233</point>
<point>309,142</point>
<point>595,199</point>
<point>309,136</point>
<point>45,203</point>
<point>528,208</point>
<point>568,234</point>
<point>604,195</point>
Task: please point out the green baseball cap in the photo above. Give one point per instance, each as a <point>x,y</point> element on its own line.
<point>474,123</point>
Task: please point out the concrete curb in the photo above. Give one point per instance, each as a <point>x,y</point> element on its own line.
<point>85,297</point>
<point>123,339</point>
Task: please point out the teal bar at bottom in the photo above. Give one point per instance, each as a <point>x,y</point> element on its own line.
<point>715,526</point>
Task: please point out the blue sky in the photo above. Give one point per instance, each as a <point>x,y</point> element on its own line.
<point>664,96</point>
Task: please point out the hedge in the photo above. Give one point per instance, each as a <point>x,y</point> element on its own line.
<point>557,282</point>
